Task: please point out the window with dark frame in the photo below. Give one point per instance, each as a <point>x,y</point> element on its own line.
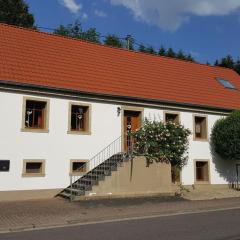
<point>4,165</point>
<point>35,114</point>
<point>172,117</point>
<point>79,118</point>
<point>200,130</point>
<point>34,167</point>
<point>202,172</point>
<point>79,167</point>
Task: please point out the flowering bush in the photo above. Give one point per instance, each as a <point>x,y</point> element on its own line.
<point>162,142</point>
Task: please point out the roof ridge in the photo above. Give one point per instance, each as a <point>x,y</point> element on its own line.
<point>112,47</point>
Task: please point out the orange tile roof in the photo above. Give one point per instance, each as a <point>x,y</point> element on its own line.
<point>32,57</point>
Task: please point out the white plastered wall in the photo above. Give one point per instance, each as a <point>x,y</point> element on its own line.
<point>57,147</point>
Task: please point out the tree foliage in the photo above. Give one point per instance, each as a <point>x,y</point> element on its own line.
<point>162,142</point>
<point>75,30</point>
<point>114,41</point>
<point>225,136</point>
<point>229,62</point>
<point>16,12</point>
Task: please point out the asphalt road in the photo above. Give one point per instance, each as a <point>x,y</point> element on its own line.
<point>218,225</point>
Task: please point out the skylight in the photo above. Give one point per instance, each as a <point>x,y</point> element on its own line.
<point>226,83</point>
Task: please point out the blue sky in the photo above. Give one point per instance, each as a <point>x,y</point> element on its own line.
<point>208,29</point>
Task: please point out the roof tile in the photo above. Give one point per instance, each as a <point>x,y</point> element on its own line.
<point>28,56</point>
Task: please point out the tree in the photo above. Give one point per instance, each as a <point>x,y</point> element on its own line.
<point>16,12</point>
<point>190,58</point>
<point>171,53</point>
<point>114,41</point>
<point>75,31</point>
<point>225,136</point>
<point>142,48</point>
<point>181,55</point>
<point>150,50</point>
<point>227,62</point>
<point>91,35</point>
<point>216,63</point>
<point>237,66</point>
<point>162,51</point>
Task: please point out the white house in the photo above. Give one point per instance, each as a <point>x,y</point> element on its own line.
<point>63,101</point>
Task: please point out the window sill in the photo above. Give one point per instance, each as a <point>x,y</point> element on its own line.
<point>79,132</point>
<point>77,173</point>
<point>35,130</point>
<point>33,175</point>
<point>202,183</point>
<point>201,139</point>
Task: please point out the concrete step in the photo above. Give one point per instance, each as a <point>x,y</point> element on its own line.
<point>82,186</point>
<point>65,195</point>
<point>74,191</point>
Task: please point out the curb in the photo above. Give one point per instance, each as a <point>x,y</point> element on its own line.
<point>76,222</point>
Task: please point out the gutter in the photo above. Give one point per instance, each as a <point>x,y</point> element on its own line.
<point>124,100</point>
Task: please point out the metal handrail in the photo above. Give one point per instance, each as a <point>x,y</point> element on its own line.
<point>110,152</point>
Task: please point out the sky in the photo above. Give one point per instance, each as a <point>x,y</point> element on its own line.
<point>208,29</point>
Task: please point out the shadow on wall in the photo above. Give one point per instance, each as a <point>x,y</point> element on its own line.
<point>225,167</point>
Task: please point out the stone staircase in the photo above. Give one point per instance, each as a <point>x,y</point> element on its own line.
<point>81,185</point>
<point>85,183</point>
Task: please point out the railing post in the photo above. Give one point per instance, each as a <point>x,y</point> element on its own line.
<point>71,183</point>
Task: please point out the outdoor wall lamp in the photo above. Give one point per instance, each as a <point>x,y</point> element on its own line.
<point>119,111</point>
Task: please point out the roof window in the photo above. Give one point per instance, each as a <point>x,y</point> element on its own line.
<point>226,83</point>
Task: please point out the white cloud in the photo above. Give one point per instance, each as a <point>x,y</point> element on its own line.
<point>71,5</point>
<point>100,13</point>
<point>171,14</point>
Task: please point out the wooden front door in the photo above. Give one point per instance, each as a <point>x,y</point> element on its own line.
<point>132,121</point>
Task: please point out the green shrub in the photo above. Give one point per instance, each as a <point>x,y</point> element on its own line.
<point>225,137</point>
<point>162,142</point>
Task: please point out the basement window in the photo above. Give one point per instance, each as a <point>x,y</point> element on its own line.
<point>172,117</point>
<point>4,165</point>
<point>226,83</point>
<point>33,168</point>
<point>79,119</point>
<point>202,171</point>
<point>78,167</point>
<point>200,128</point>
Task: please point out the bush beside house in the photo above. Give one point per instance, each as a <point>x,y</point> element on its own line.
<point>162,142</point>
<point>226,136</point>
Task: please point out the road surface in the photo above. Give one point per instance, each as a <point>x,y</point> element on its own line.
<point>214,225</point>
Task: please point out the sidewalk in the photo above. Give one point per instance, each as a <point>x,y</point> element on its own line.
<point>18,216</point>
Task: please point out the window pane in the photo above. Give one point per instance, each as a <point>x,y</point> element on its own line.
<point>202,171</point>
<point>79,166</point>
<point>226,83</point>
<point>79,118</point>
<point>33,167</point>
<point>34,116</point>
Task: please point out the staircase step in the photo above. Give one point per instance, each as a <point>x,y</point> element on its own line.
<point>82,186</point>
<point>107,167</point>
<point>88,181</point>
<point>93,177</point>
<point>74,191</point>
<point>65,195</point>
